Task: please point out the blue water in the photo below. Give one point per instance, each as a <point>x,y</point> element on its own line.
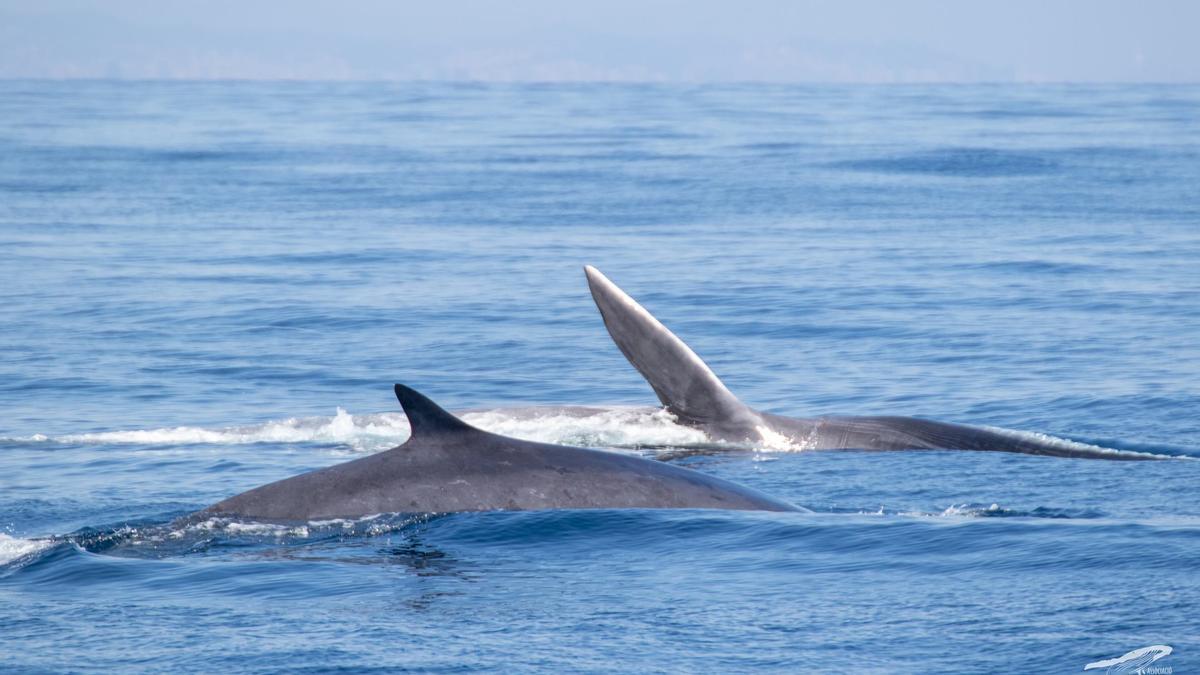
<point>209,286</point>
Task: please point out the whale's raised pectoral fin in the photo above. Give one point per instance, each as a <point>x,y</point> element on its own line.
<point>682,381</point>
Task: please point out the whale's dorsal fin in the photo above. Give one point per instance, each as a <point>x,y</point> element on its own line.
<point>682,381</point>
<point>426,417</point>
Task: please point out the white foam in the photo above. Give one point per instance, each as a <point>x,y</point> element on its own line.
<point>955,511</point>
<point>371,525</point>
<point>608,427</point>
<point>365,433</point>
<point>235,527</point>
<point>593,427</point>
<point>603,427</point>
<point>12,548</point>
<point>969,510</point>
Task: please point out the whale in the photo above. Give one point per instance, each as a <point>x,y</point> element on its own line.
<point>692,392</point>
<point>449,466</point>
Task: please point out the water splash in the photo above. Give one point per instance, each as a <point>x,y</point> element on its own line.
<point>358,432</point>
<point>13,549</point>
<point>605,427</point>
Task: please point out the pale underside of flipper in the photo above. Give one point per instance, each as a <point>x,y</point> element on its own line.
<point>680,378</point>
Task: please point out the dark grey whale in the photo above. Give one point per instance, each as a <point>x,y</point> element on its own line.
<point>447,465</point>
<point>693,393</point>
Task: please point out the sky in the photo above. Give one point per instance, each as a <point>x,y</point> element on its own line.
<point>606,40</point>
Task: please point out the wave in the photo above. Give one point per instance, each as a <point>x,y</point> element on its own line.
<point>984,510</point>
<point>994,510</point>
<point>150,540</point>
<point>959,162</point>
<point>190,535</point>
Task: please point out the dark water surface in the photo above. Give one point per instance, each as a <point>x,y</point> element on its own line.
<point>209,286</point>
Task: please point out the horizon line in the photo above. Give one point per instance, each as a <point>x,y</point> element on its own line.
<point>613,82</point>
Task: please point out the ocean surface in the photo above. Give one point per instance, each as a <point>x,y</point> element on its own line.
<point>209,286</point>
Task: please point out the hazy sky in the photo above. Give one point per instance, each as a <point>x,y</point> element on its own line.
<point>642,40</point>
